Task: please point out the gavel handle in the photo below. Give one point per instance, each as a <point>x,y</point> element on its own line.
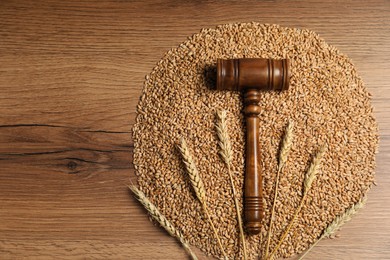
<point>253,191</point>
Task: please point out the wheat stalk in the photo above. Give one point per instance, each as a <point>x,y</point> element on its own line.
<point>284,151</point>
<point>310,176</point>
<point>155,213</point>
<point>198,186</point>
<point>226,153</point>
<point>338,222</point>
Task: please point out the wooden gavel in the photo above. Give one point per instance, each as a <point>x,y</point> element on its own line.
<point>251,76</point>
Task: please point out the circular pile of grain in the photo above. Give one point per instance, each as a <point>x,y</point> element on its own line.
<point>326,100</point>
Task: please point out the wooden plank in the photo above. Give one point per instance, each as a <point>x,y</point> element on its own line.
<point>71,73</point>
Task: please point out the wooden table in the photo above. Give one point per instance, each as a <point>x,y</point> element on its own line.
<point>71,73</point>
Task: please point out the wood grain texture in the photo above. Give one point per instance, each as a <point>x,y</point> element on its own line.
<point>71,73</point>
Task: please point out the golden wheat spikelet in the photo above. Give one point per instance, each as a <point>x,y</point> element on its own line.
<point>338,222</point>
<point>192,171</point>
<point>161,219</point>
<point>310,176</point>
<point>197,185</point>
<point>284,151</point>
<point>286,144</point>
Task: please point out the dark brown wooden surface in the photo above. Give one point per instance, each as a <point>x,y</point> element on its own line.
<point>71,73</point>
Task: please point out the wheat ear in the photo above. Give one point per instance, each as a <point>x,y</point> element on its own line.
<point>286,144</point>
<point>155,213</point>
<point>284,151</point>
<point>310,176</point>
<point>192,171</point>
<point>226,152</point>
<point>198,186</point>
<point>338,222</point>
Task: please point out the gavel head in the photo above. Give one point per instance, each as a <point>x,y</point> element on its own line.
<point>255,73</point>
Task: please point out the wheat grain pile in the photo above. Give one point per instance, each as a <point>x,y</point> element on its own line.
<point>327,101</point>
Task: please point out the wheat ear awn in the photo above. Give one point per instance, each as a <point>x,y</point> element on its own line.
<point>155,213</point>
<point>198,186</point>
<point>226,152</point>
<point>284,151</point>
<point>338,222</point>
<point>310,176</point>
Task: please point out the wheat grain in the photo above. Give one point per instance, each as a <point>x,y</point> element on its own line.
<point>327,100</point>
<point>160,218</point>
<point>226,153</point>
